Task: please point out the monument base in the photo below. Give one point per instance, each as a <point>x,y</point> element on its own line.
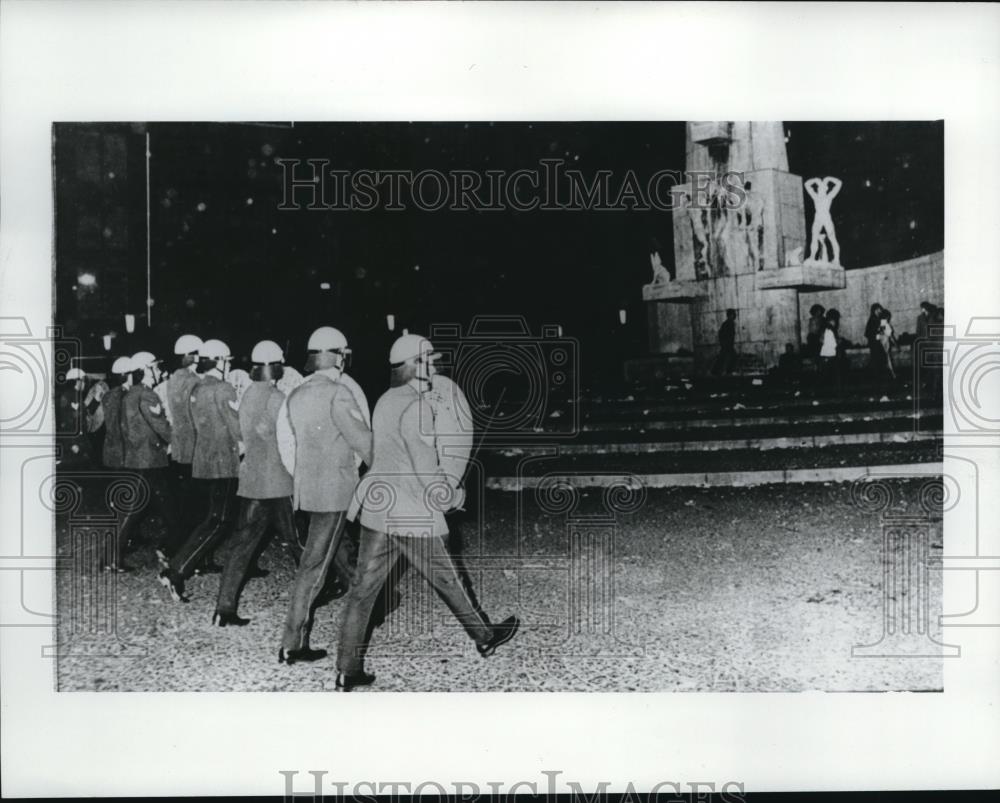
<point>804,278</point>
<point>678,291</point>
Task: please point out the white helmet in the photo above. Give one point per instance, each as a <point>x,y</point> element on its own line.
<point>188,344</point>
<point>409,347</point>
<point>143,359</point>
<point>214,350</point>
<point>74,373</point>
<point>266,352</point>
<point>326,338</point>
<point>122,365</point>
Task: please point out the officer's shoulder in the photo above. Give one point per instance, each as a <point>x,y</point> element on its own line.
<point>148,396</point>
<point>342,392</point>
<point>416,405</point>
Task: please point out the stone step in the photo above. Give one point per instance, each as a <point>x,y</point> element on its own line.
<point>519,463</point>
<point>770,428</point>
<point>733,418</point>
<point>721,402</point>
<point>727,444</point>
<point>726,479</point>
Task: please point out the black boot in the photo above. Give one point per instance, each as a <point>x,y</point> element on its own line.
<point>304,654</point>
<point>227,619</point>
<point>346,682</point>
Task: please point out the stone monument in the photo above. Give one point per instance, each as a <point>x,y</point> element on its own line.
<point>739,239</point>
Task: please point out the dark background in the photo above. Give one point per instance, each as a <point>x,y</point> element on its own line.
<point>241,269</point>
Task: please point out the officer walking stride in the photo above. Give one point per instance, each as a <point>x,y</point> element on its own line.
<point>403,499</point>
<point>321,433</point>
<point>145,436</point>
<point>180,388</point>
<point>113,448</point>
<point>265,486</point>
<point>216,464</point>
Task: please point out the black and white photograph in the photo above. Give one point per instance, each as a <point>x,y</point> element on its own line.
<point>362,404</point>
<point>491,398</point>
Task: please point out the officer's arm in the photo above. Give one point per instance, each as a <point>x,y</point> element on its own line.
<point>161,391</point>
<point>151,409</point>
<point>417,429</point>
<point>286,438</point>
<point>226,396</point>
<point>351,423</point>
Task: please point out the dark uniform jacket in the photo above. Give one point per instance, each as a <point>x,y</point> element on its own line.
<point>217,430</point>
<point>406,490</point>
<point>262,474</point>
<point>329,428</point>
<point>145,429</point>
<point>180,387</point>
<point>114,441</point>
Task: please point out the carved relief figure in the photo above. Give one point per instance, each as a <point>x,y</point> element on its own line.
<point>699,236</point>
<point>823,191</point>
<point>752,222</point>
<point>720,227</point>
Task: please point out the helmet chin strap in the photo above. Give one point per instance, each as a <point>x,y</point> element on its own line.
<point>423,376</point>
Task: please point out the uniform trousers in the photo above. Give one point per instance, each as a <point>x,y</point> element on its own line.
<point>258,518</point>
<point>377,556</point>
<point>212,531</point>
<point>326,530</point>
<point>155,482</point>
<point>190,496</point>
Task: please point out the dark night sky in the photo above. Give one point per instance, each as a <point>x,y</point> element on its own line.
<point>227,262</point>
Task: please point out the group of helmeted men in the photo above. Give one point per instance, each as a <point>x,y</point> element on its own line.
<point>260,456</point>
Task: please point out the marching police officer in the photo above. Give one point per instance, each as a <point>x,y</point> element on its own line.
<point>407,471</point>
<point>321,429</point>
<point>113,450</point>
<point>215,464</point>
<point>265,486</point>
<point>180,388</point>
<point>145,435</point>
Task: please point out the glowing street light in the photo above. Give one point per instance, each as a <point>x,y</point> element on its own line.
<point>622,316</point>
<point>86,280</point>
<point>390,321</point>
<point>129,323</point>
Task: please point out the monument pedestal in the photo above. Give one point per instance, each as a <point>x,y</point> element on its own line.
<point>804,278</point>
<point>739,232</point>
<point>677,292</point>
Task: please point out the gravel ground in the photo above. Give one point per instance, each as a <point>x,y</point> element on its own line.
<point>741,589</point>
